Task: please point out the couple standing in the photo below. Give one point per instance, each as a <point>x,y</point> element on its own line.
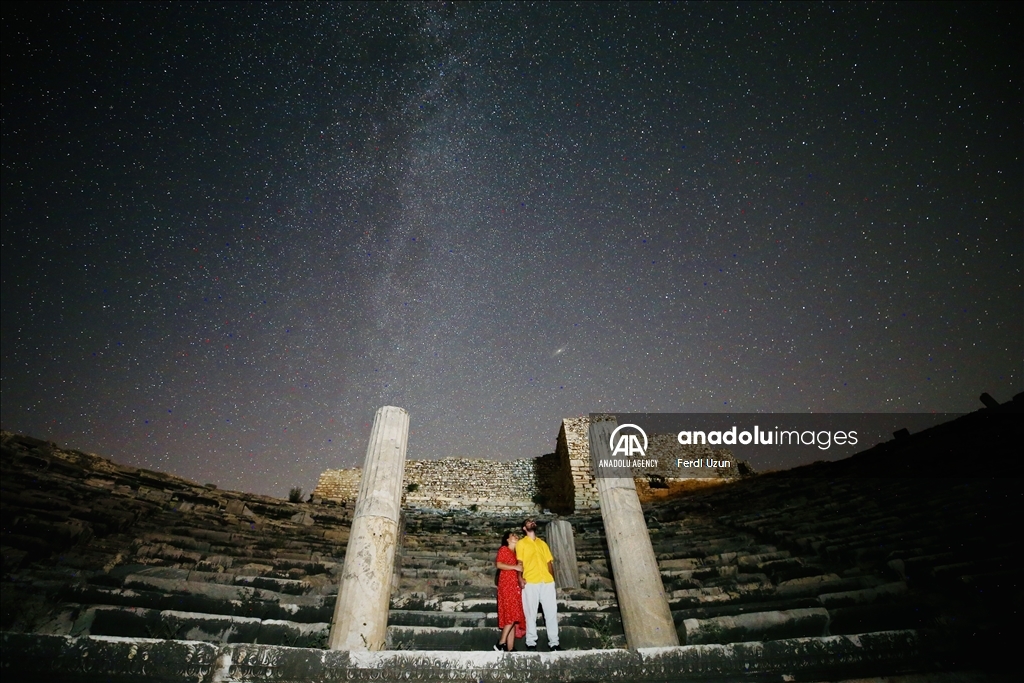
<point>526,580</point>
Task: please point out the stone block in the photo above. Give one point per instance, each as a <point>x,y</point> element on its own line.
<point>303,518</point>
<point>201,576</point>
<point>816,585</point>
<point>293,634</point>
<point>436,619</point>
<point>210,628</point>
<point>756,626</point>
<point>172,573</point>
<point>285,586</point>
<point>687,563</point>
<point>864,596</point>
<point>459,638</point>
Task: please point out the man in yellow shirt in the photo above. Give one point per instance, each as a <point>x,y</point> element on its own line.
<point>539,575</point>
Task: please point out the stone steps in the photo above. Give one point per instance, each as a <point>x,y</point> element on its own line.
<point>29,658</point>
<point>137,622</point>
<point>482,638</point>
<point>773,562</point>
<point>230,597</point>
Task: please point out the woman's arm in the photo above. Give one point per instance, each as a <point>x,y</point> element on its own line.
<point>509,567</point>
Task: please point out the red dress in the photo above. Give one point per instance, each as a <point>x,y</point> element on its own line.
<point>510,596</point>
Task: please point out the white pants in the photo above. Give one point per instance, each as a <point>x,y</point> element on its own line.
<point>542,594</point>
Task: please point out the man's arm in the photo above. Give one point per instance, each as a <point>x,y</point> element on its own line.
<point>551,568</point>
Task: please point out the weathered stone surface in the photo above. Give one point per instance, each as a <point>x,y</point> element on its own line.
<point>646,617</point>
<point>756,626</point>
<point>482,638</point>
<point>482,485</point>
<point>437,619</point>
<point>61,659</point>
<point>235,507</point>
<point>573,446</point>
<point>302,518</point>
<point>172,624</point>
<point>361,611</point>
<point>281,632</point>
<point>184,587</point>
<point>864,596</point>
<point>563,547</point>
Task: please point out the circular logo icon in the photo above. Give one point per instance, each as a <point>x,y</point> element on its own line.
<point>628,444</point>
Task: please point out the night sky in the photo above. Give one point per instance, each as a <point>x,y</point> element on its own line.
<point>232,232</point>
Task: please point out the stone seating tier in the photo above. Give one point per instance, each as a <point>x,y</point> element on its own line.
<point>92,549</point>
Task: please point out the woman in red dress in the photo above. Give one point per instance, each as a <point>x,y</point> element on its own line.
<point>511,620</point>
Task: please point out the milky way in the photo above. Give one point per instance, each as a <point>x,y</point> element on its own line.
<point>231,232</point>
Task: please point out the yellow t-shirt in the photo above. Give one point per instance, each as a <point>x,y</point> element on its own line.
<point>535,556</point>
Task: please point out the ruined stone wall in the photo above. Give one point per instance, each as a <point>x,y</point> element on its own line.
<point>554,483</point>
<point>460,483</point>
<point>338,484</point>
<point>574,450</point>
<point>485,485</point>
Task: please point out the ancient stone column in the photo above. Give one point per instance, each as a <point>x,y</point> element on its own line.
<point>646,617</point>
<point>563,547</point>
<point>396,572</point>
<point>361,612</point>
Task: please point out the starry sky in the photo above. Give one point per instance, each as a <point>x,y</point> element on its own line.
<point>232,231</point>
